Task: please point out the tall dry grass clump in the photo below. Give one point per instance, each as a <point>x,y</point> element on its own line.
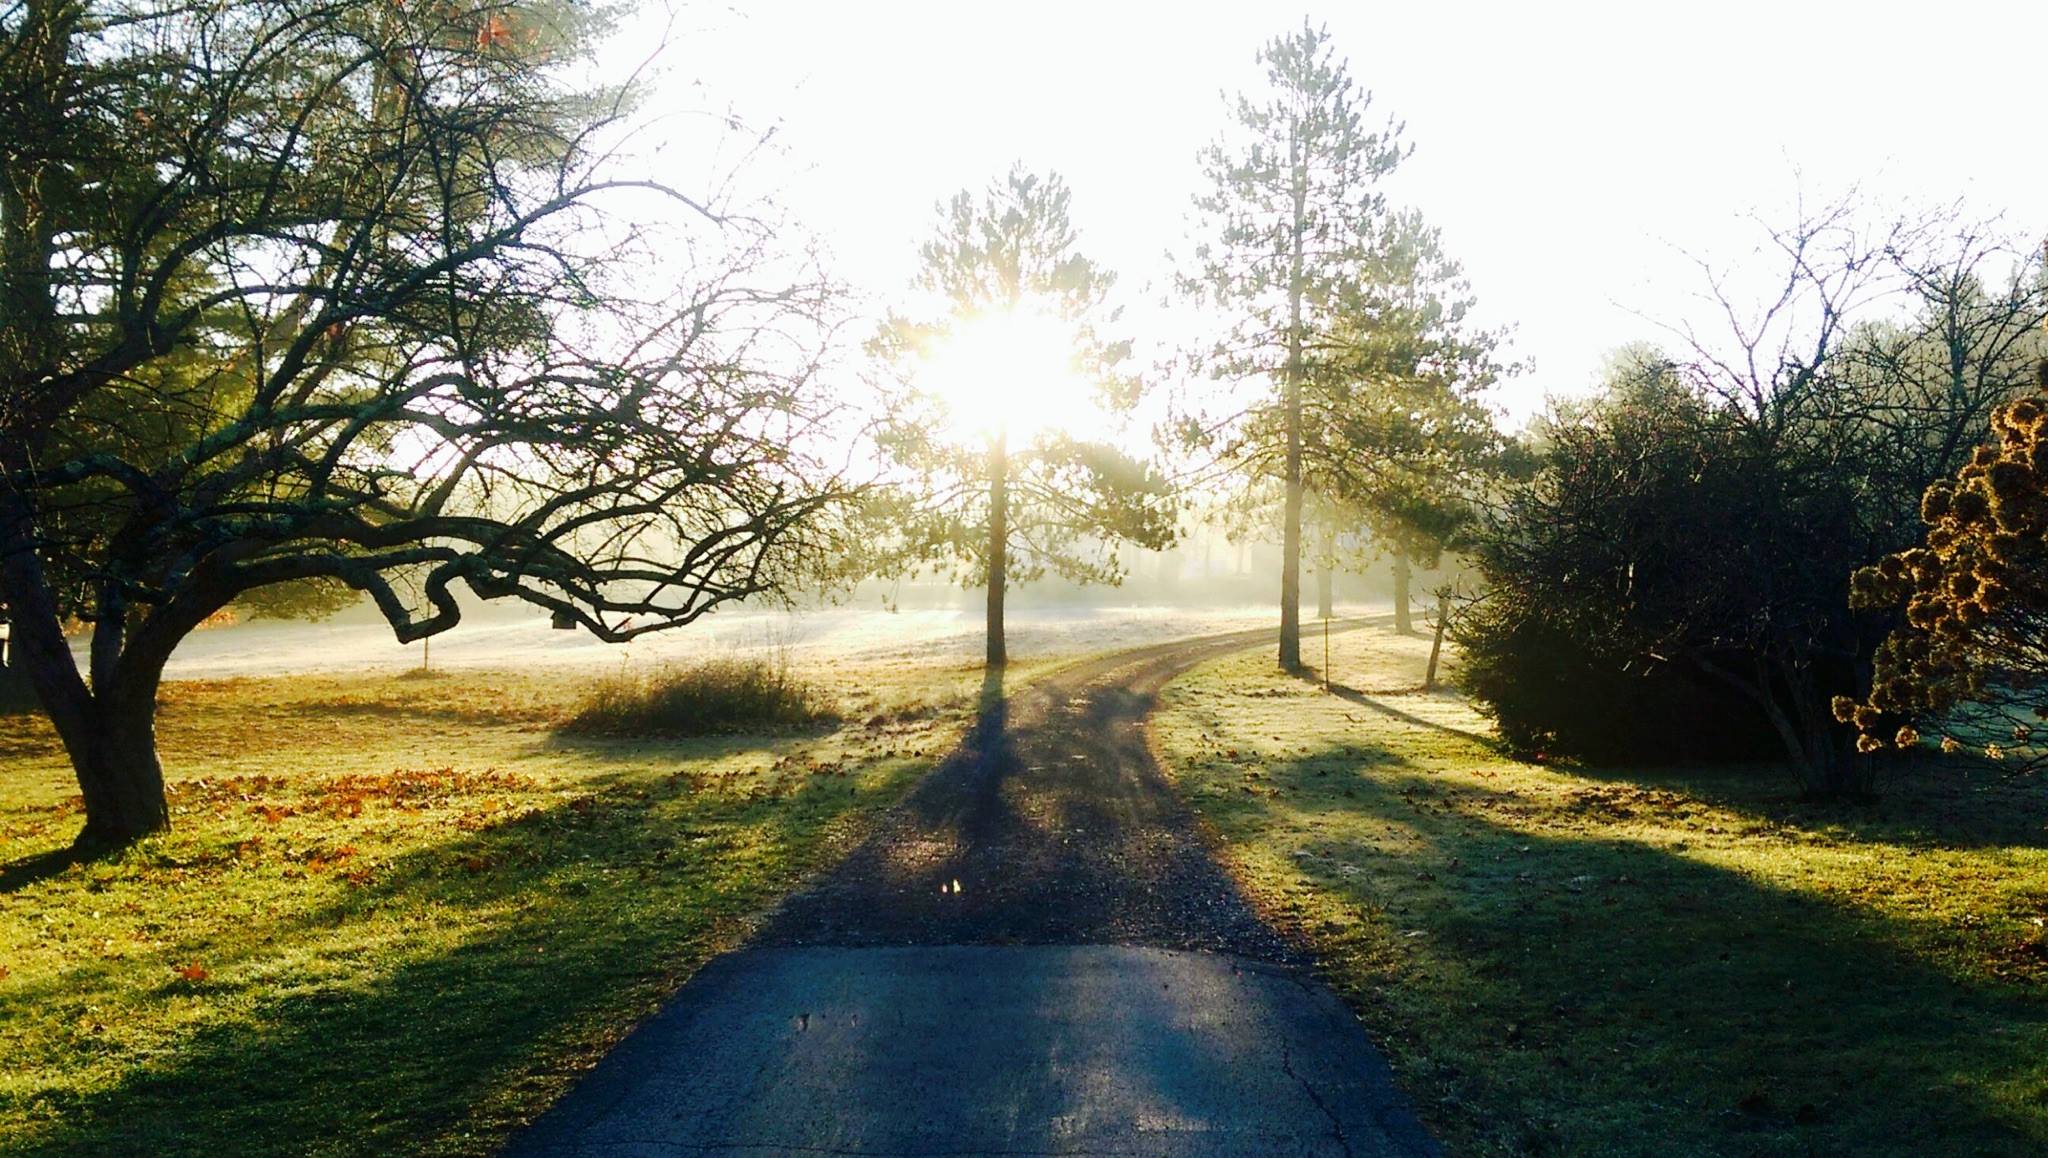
<point>715,697</point>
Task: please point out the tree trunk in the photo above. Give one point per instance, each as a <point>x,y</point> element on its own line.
<point>1290,533</point>
<point>1404,582</point>
<point>1834,769</point>
<point>119,774</point>
<point>1436,643</point>
<point>998,545</point>
<point>1814,744</point>
<point>108,730</point>
<point>1290,544</point>
<point>1831,769</point>
<point>36,631</point>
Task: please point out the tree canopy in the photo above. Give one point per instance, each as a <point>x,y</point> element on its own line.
<point>1685,545</point>
<point>1346,312</point>
<point>335,290</point>
<point>1014,497</point>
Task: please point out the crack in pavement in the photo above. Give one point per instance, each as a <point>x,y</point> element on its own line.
<point>1336,1124</point>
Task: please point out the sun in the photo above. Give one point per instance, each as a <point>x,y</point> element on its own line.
<point>1014,372</point>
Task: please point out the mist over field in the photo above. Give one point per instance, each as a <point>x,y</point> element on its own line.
<point>525,641</point>
<point>1208,584</point>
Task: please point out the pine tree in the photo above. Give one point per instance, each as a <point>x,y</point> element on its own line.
<point>1006,265</point>
<point>1293,223</point>
<point>1355,315</point>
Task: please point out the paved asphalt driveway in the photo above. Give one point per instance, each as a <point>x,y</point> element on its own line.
<point>1035,954</point>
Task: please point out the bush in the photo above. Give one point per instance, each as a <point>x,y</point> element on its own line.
<point>1687,538</point>
<point>1670,584</point>
<point>1972,653</point>
<point>1552,696</point>
<point>717,697</point>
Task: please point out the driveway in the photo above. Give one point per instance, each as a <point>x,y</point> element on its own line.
<point>1035,954</point>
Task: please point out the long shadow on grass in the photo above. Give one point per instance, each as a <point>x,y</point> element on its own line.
<point>901,885</point>
<point>1926,801</point>
<point>22,872</point>
<point>600,906</point>
<point>1050,825</point>
<point>1364,700</point>
<point>1622,991</point>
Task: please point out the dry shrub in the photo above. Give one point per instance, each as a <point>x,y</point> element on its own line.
<point>715,697</point>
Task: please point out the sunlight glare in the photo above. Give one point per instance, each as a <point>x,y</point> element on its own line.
<point>1015,372</point>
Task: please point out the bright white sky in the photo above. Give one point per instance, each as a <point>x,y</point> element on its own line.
<point>1569,152</point>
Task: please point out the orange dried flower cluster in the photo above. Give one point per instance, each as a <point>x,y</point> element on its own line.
<point>1975,594</point>
<point>495,32</point>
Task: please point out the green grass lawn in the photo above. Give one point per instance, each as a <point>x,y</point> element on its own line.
<point>1669,961</point>
<point>401,914</point>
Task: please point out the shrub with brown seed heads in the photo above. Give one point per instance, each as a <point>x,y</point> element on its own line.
<point>1975,595</point>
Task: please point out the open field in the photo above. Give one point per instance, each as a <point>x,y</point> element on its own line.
<point>1683,961</point>
<point>508,637</point>
<point>403,912</point>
